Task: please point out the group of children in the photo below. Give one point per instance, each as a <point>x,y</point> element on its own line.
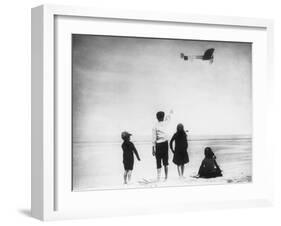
<point>160,148</point>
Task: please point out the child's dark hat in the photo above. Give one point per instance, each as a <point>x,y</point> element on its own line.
<point>125,134</point>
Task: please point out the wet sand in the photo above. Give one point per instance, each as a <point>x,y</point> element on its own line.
<point>99,165</point>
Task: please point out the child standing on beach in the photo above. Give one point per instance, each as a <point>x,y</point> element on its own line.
<point>160,144</point>
<point>129,150</point>
<point>180,152</point>
<point>209,167</point>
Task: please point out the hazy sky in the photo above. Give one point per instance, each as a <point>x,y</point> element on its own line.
<point>120,83</point>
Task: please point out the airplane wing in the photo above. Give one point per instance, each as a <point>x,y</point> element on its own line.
<point>208,55</point>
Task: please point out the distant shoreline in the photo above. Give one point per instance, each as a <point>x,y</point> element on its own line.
<point>190,138</point>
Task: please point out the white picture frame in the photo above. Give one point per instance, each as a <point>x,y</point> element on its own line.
<point>52,197</point>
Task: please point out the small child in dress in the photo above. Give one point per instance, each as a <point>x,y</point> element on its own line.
<point>180,152</point>
<point>209,167</point>
<point>129,150</point>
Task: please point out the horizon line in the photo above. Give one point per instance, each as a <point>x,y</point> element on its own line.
<point>195,138</point>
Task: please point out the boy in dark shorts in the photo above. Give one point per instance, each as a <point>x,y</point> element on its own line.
<point>129,150</point>
<point>160,143</point>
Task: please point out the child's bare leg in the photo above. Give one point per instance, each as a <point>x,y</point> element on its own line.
<point>166,172</point>
<point>158,173</point>
<point>129,175</point>
<point>179,170</point>
<point>182,170</point>
<point>125,176</point>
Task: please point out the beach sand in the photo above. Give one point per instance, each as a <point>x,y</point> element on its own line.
<point>99,165</point>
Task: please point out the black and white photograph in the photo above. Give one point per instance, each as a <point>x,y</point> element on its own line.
<point>158,112</point>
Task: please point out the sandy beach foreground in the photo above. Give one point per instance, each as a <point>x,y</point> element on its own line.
<point>99,165</point>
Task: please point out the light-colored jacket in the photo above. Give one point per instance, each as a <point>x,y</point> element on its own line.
<point>159,131</point>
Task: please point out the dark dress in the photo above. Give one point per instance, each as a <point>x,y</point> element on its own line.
<point>209,168</point>
<point>128,155</point>
<point>181,145</point>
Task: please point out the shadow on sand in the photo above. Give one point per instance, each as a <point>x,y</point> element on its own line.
<point>26,212</point>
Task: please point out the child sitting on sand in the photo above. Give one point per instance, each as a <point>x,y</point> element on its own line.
<point>180,152</point>
<point>209,167</point>
<point>128,156</point>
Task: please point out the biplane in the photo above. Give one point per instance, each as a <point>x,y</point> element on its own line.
<point>208,56</point>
